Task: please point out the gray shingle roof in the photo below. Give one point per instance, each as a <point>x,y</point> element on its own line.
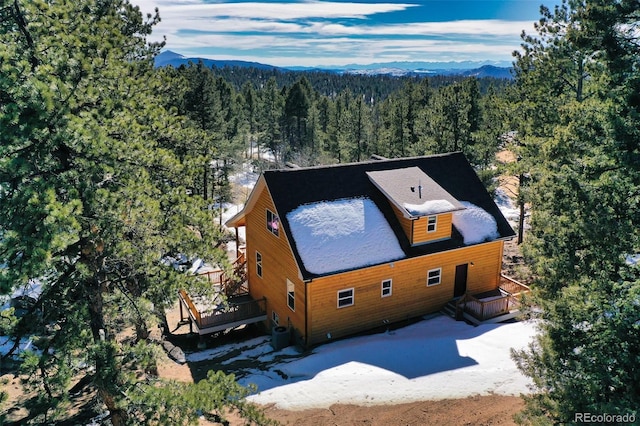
<point>411,186</point>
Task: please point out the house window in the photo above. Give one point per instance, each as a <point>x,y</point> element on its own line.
<point>432,222</point>
<point>291,295</point>
<point>434,277</point>
<point>259,264</point>
<point>345,298</point>
<point>386,288</point>
<point>273,222</point>
<point>275,318</point>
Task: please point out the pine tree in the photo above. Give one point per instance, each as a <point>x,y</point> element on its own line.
<point>92,201</point>
<point>580,140</point>
<point>271,117</point>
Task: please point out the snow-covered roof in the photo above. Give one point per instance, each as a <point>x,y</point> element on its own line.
<point>429,207</point>
<point>342,234</point>
<point>475,224</point>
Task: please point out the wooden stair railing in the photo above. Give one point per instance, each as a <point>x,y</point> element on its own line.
<point>231,285</point>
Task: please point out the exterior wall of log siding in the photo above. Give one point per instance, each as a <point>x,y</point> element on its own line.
<point>278,265</point>
<point>416,229</point>
<point>410,297</point>
<point>443,229</point>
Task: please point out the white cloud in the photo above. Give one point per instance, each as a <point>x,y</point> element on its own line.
<point>464,27</point>
<point>313,33</point>
<point>277,11</point>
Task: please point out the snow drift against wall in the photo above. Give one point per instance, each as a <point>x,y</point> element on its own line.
<point>475,224</point>
<point>344,234</point>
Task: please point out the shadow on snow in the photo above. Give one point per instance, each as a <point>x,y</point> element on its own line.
<point>424,348</point>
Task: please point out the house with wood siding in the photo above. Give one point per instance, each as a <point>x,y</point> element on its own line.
<point>337,250</point>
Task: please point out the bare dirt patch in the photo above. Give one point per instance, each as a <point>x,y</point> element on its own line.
<point>475,410</point>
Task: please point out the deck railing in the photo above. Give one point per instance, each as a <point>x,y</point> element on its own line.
<point>511,286</point>
<point>214,277</point>
<point>191,307</point>
<point>493,307</point>
<point>229,313</point>
<point>232,284</point>
<point>233,313</point>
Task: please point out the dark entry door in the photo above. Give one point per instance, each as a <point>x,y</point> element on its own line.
<point>460,286</point>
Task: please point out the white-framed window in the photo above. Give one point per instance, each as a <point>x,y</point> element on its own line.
<point>432,223</point>
<point>275,318</point>
<point>273,222</point>
<point>291,295</point>
<point>345,298</point>
<point>386,288</point>
<point>258,264</point>
<point>434,276</point>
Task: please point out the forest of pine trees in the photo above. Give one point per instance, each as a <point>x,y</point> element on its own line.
<point>312,118</point>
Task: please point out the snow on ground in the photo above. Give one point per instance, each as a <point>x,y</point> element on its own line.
<point>436,358</point>
<point>6,344</point>
<point>475,224</point>
<point>509,210</point>
<point>633,259</point>
<point>342,234</point>
<point>32,290</point>
<point>246,177</point>
<point>230,210</point>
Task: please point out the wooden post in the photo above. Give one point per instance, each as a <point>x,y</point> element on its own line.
<point>237,243</point>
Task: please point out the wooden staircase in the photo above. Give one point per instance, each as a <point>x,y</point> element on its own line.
<point>450,308</point>
<point>233,283</point>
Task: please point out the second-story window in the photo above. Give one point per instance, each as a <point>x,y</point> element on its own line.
<point>273,223</point>
<point>432,223</point>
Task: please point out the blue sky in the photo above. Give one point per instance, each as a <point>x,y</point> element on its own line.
<point>325,33</point>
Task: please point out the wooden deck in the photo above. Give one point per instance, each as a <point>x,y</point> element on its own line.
<point>496,306</point>
<point>231,308</point>
<point>211,316</point>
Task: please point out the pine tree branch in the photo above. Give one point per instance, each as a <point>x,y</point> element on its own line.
<point>22,24</point>
<point>141,321</point>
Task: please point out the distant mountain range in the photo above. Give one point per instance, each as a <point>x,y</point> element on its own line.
<point>468,68</point>
<point>175,60</point>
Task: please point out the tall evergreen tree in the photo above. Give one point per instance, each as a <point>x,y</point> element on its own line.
<point>203,105</point>
<point>90,205</point>
<point>585,209</point>
<point>296,112</point>
<point>271,117</point>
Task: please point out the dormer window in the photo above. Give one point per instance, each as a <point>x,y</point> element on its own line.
<point>423,207</point>
<point>273,223</point>
<point>432,223</point>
